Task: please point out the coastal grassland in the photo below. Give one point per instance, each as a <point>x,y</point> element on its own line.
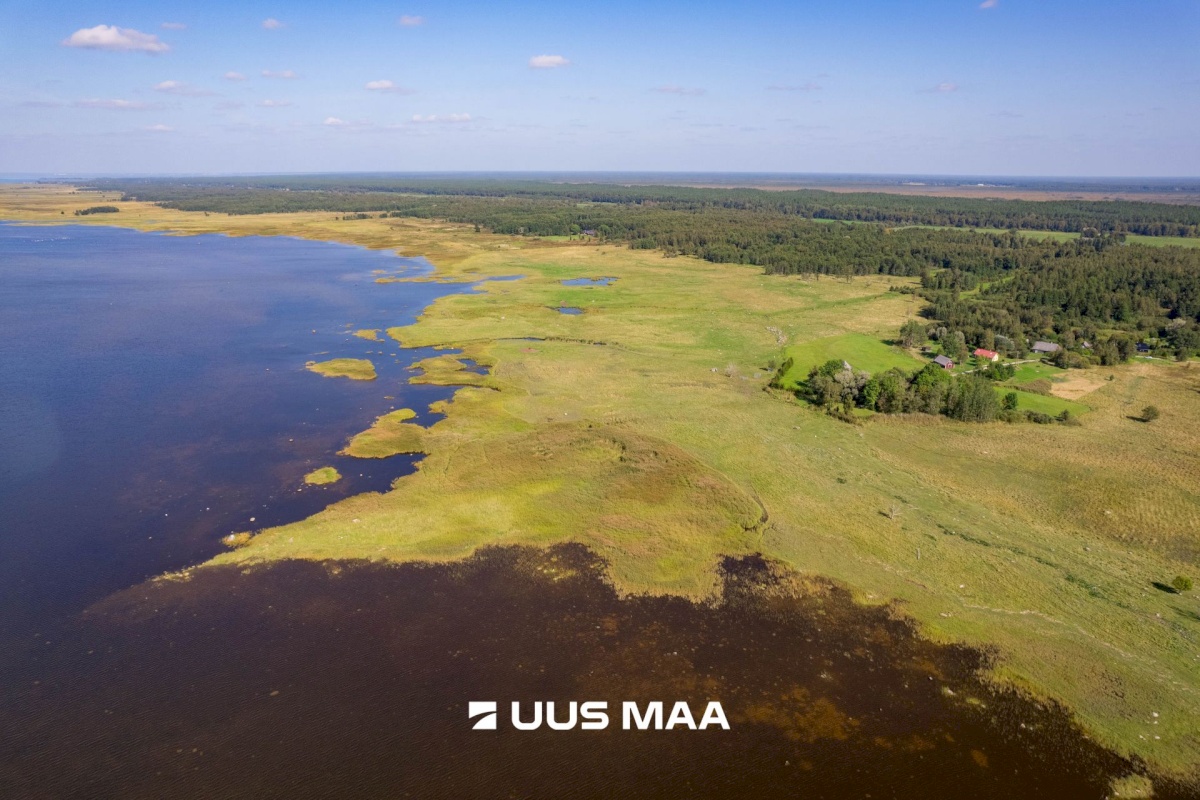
<point>642,429</point>
<point>448,370</point>
<point>322,476</point>
<point>357,369</point>
<point>1001,537</point>
<point>391,435</point>
<point>55,205</point>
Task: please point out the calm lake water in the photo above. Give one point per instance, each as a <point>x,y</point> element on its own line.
<point>153,399</point>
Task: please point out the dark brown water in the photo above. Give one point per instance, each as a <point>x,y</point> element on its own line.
<point>306,680</point>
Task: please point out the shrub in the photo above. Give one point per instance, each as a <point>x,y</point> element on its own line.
<point>1149,413</point>
<point>1181,583</point>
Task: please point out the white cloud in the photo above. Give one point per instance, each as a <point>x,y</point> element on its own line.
<point>110,37</point>
<point>410,21</point>
<point>181,89</point>
<point>548,62</point>
<point>173,26</point>
<point>388,86</point>
<point>803,87</point>
<point>286,74</point>
<point>159,128</point>
<point>272,24</point>
<point>234,76</point>
<point>989,3</point>
<point>945,88</point>
<point>683,90</point>
<point>228,105</point>
<point>441,118</point>
<point>334,122</point>
<point>275,103</point>
<point>113,105</point>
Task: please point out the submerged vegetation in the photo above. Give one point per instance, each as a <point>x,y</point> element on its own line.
<point>322,476</point>
<point>358,369</point>
<point>642,430</point>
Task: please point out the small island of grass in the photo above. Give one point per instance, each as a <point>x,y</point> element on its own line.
<point>322,476</point>
<point>358,369</point>
<point>370,334</point>
<point>389,436</point>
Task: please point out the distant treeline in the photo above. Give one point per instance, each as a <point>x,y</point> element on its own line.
<point>547,209</point>
<point>83,212</point>
<point>995,290</point>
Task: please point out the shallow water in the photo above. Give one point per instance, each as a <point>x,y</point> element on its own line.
<point>302,680</point>
<point>589,281</point>
<point>572,310</point>
<point>153,399</point>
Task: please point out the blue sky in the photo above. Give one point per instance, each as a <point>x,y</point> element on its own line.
<point>1006,87</point>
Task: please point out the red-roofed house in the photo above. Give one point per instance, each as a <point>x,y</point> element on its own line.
<point>990,355</point>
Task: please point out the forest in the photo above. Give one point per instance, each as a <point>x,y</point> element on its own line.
<point>548,208</point>
<point>839,388</point>
<point>1095,295</point>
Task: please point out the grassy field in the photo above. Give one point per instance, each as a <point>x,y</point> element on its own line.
<point>642,429</point>
<point>862,351</point>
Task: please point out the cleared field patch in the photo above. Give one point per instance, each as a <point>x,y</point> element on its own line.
<point>1045,404</point>
<point>863,352</point>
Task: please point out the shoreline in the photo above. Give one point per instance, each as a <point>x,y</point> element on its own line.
<point>603,431</point>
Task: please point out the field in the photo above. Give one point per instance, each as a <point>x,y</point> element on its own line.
<point>1061,236</point>
<point>642,429</point>
<point>868,353</point>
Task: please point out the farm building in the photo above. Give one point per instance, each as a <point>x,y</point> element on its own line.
<point>1045,347</point>
<point>987,355</point>
<point>944,362</point>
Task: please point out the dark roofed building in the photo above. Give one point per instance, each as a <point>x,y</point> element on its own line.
<point>944,362</point>
<point>1045,347</point>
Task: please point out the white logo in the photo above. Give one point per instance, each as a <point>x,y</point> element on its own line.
<point>593,716</point>
<point>486,710</point>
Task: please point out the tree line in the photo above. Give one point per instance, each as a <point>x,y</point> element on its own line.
<point>383,193</point>
<point>839,389</point>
